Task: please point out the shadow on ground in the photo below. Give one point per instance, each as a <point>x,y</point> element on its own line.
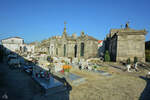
<point>145,95</point>
<point>21,86</point>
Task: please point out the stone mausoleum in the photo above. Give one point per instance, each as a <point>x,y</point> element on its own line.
<point>126,43</point>
<point>74,46</point>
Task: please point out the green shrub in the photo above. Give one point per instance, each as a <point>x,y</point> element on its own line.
<point>135,59</point>
<point>147,55</point>
<point>107,56</point>
<point>94,66</point>
<point>128,61</point>
<point>148,58</point>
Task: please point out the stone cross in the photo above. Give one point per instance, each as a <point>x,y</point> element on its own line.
<point>65,23</point>
<point>127,25</point>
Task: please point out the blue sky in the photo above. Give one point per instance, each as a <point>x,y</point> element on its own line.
<point>40,19</point>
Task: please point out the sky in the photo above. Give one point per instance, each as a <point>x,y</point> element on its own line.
<point>35,20</point>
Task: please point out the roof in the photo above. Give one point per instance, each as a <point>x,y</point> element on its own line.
<point>12,37</point>
<point>91,38</point>
<point>127,31</point>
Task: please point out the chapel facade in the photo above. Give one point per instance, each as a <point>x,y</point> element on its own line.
<point>74,46</point>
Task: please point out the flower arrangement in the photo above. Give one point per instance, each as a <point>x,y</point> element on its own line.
<point>66,68</point>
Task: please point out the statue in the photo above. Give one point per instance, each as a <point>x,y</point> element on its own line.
<point>127,25</point>
<point>82,33</point>
<point>64,33</point>
<point>65,23</point>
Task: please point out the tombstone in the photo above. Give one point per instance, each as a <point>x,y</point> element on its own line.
<point>75,60</point>
<point>55,59</point>
<point>58,67</point>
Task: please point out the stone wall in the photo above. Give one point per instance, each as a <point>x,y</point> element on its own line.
<point>130,46</point>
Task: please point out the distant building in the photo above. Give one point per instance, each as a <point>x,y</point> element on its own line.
<point>126,43</point>
<point>15,44</point>
<point>83,46</point>
<point>30,48</point>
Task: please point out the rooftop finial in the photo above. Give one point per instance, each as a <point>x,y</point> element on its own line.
<point>127,24</point>
<point>82,33</point>
<point>65,24</point>
<point>65,33</point>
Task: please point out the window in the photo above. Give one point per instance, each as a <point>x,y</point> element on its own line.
<point>57,51</point>
<point>64,50</point>
<point>12,41</point>
<point>75,51</point>
<point>82,49</point>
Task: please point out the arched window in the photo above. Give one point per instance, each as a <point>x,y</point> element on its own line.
<point>57,51</point>
<point>12,41</point>
<point>82,49</point>
<point>24,49</point>
<point>20,48</point>
<point>64,50</point>
<point>75,51</point>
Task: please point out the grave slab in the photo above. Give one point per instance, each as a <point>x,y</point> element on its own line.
<point>50,86</point>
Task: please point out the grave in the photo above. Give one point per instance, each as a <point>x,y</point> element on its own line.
<point>75,79</point>
<point>50,86</point>
<point>72,78</point>
<point>102,73</point>
<point>58,67</point>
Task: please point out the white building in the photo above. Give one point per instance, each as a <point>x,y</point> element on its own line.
<point>16,44</point>
<point>13,44</point>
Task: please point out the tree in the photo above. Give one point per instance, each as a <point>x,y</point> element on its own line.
<point>135,59</point>
<point>107,56</point>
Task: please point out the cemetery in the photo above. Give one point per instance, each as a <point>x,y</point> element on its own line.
<point>78,70</point>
